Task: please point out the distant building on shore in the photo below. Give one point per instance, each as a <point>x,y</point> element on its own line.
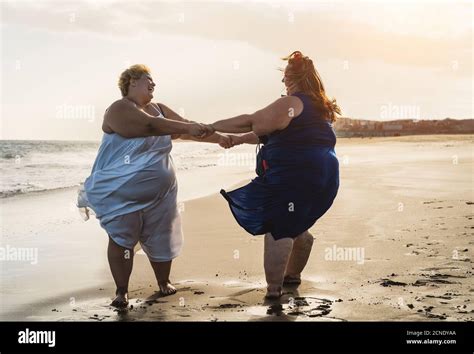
<point>391,126</point>
<point>349,127</point>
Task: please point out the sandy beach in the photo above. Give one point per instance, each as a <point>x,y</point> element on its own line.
<point>396,245</point>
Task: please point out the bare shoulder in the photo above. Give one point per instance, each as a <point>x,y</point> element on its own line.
<point>115,111</point>
<point>118,108</point>
<point>287,103</point>
<point>284,108</point>
<point>277,115</point>
<point>119,105</point>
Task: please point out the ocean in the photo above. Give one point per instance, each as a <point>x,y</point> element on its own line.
<point>41,165</point>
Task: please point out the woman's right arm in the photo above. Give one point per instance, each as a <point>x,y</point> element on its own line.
<point>275,116</point>
<point>125,119</point>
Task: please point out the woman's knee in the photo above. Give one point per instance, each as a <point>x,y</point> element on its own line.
<point>305,237</point>
<point>119,250</point>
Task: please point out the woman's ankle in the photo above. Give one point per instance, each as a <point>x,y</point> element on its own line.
<point>293,276</point>
<point>273,291</point>
<point>121,290</point>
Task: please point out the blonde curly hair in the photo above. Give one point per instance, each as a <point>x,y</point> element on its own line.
<point>134,72</point>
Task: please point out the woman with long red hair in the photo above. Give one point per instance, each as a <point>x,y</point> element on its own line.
<point>298,172</point>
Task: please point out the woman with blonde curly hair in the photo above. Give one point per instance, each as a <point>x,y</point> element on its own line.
<point>298,171</point>
<point>132,187</point>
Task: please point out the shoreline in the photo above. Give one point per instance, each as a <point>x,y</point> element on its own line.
<point>206,172</point>
<point>248,171</point>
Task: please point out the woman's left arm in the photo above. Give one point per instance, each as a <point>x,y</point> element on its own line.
<point>217,138</point>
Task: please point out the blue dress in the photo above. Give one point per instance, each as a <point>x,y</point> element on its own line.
<point>300,182</point>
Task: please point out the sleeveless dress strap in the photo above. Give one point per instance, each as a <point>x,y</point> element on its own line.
<point>160,110</point>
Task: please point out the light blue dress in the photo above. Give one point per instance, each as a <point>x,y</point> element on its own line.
<point>136,176</point>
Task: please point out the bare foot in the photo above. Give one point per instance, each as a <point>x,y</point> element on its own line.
<point>167,289</point>
<point>120,301</point>
<point>273,292</point>
<point>292,280</point>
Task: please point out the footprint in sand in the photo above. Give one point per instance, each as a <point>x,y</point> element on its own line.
<point>437,278</point>
<point>309,306</point>
<point>388,282</point>
<point>276,310</point>
<point>298,307</point>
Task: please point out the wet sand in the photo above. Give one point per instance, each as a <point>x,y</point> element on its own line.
<point>405,204</point>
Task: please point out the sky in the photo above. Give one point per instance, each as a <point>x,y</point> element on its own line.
<point>381,60</point>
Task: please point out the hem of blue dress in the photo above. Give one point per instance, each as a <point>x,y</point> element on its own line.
<point>232,204</point>
<point>276,237</point>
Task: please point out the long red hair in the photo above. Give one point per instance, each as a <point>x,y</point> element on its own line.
<point>302,73</point>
